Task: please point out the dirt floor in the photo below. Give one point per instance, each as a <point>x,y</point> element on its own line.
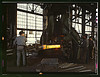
<point>34,65</point>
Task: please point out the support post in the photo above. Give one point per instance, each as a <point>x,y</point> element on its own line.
<point>83,21</point>
<point>93,22</point>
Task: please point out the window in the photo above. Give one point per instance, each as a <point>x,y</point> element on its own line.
<point>88,30</point>
<point>32,24</point>
<point>22,6</point>
<point>21,19</point>
<point>77,27</point>
<point>76,23</point>
<point>37,9</point>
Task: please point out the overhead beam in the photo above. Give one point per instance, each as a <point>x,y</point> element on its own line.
<point>77,22</point>
<point>29,12</point>
<point>88,6</point>
<point>28,29</point>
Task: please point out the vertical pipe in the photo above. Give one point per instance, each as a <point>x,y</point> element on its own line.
<point>89,21</point>
<point>69,19</point>
<point>15,29</point>
<point>35,31</point>
<point>27,21</point>
<point>93,22</point>
<point>75,15</point>
<point>83,21</point>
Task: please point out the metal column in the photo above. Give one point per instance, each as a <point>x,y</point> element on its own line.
<point>83,21</point>
<point>93,22</point>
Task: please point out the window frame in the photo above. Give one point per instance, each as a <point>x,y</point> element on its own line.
<point>27,19</point>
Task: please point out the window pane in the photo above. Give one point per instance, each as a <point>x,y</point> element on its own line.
<point>88,33</point>
<point>78,28</point>
<point>38,40</point>
<point>80,20</point>
<point>38,9</point>
<point>73,12</point>
<point>31,34</point>
<point>88,28</point>
<point>29,7</point>
<point>30,21</point>
<point>22,6</point>
<point>21,19</point>
<point>38,34</point>
<point>39,28</point>
<point>18,32</point>
<point>30,40</point>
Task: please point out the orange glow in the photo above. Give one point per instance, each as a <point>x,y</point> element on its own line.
<point>2,38</point>
<point>62,40</point>
<point>51,46</point>
<point>61,35</point>
<point>56,49</point>
<point>40,73</point>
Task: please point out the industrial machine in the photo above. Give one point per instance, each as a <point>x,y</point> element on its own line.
<point>59,30</point>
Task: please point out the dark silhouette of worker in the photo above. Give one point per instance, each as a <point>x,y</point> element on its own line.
<point>20,41</point>
<point>91,45</point>
<point>84,49</point>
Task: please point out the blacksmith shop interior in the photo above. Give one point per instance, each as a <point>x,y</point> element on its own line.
<point>60,37</point>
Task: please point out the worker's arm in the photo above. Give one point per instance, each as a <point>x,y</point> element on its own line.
<point>83,44</point>
<point>25,39</point>
<point>14,43</point>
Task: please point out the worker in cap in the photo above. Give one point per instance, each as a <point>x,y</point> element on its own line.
<point>91,45</point>
<point>20,41</point>
<point>84,49</point>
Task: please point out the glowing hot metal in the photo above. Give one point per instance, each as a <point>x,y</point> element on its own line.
<point>50,46</point>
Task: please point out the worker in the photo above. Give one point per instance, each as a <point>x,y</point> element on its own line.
<point>91,45</point>
<point>20,42</point>
<point>84,49</point>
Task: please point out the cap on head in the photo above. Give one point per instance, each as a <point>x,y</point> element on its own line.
<point>85,36</point>
<point>21,32</point>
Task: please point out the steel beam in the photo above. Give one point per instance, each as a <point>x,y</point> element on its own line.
<point>93,23</point>
<point>83,21</point>
<point>28,29</point>
<point>29,12</point>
